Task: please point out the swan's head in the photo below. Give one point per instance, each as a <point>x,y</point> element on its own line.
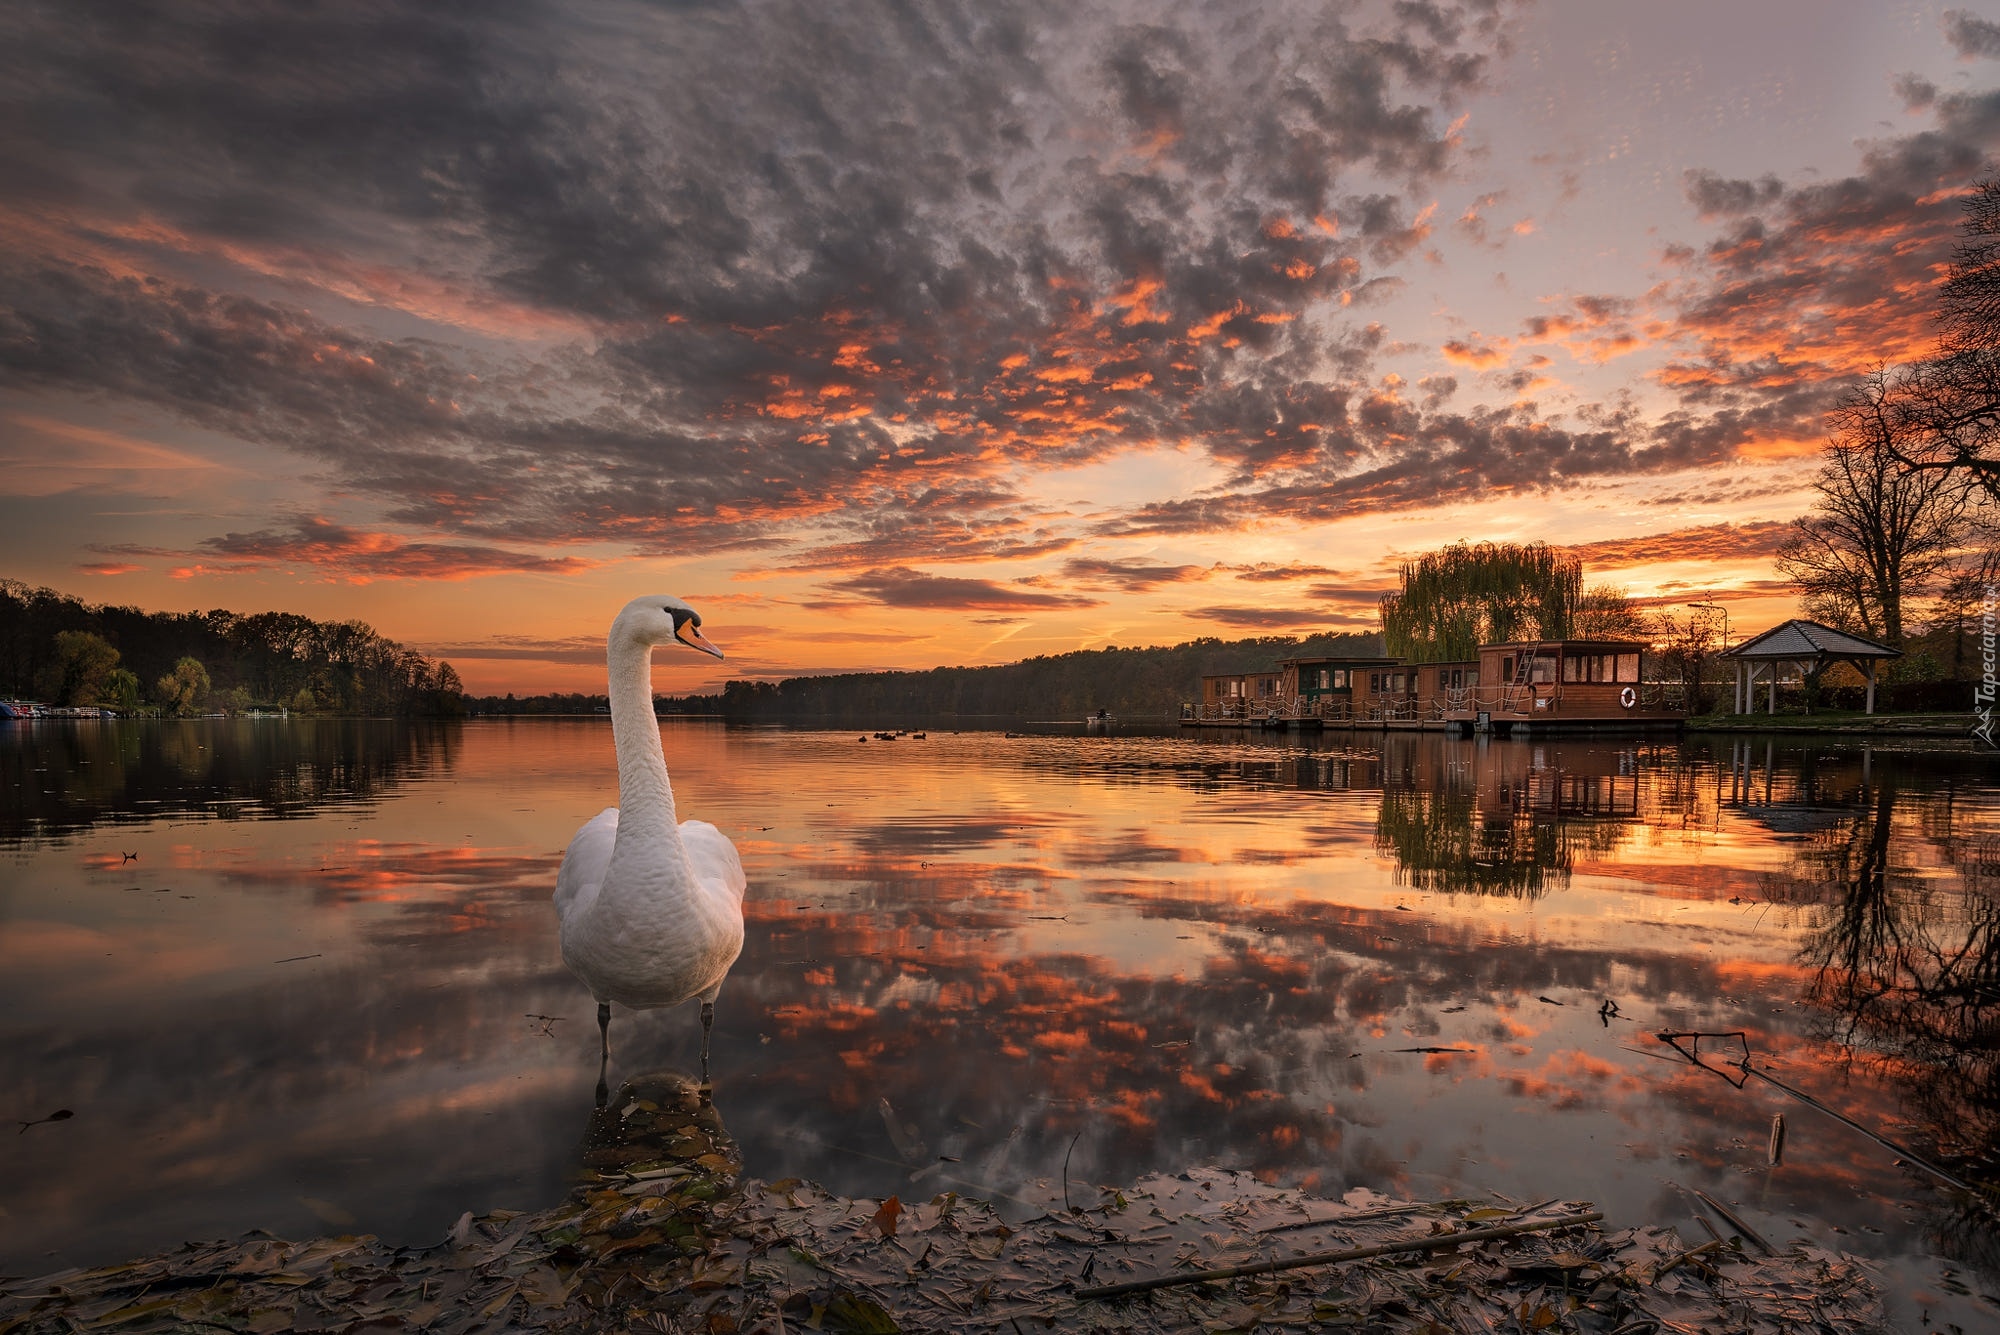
<point>660,618</point>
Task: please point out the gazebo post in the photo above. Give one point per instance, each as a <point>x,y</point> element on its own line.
<point>1772,699</point>
<point>1871,687</point>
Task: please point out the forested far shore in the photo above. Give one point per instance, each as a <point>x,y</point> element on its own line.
<point>570,702</point>
<point>1133,683</point>
<point>61,650</point>
<point>1128,683</point>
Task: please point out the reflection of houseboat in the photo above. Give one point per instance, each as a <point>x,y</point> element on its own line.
<point>1510,689</point>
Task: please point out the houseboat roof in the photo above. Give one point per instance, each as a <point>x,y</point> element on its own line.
<point>1592,642</point>
<point>1355,660</point>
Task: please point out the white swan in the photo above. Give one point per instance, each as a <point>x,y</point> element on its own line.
<point>651,911</point>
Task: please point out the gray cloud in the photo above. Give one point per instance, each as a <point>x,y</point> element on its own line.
<point>829,281</point>
<point>1916,92</point>
<point>1716,196</point>
<point>1706,542</point>
<point>1128,575</point>
<point>1269,571</point>
<point>1971,35</point>
<point>903,587</point>
<point>1281,618</point>
<point>338,550</point>
<point>834,265</point>
<point>1807,286</point>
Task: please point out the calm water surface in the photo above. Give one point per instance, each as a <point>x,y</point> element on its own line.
<point>325,994</point>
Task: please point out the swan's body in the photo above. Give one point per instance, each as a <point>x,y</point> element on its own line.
<point>651,910</point>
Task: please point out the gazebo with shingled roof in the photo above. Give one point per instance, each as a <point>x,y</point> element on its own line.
<point>1813,647</point>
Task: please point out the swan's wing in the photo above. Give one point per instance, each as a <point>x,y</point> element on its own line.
<point>713,858</point>
<point>584,863</point>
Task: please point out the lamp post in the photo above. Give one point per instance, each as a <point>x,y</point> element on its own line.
<point>1708,604</point>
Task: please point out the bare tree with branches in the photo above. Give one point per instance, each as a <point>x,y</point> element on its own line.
<point>1948,408</point>
<point>1881,530</point>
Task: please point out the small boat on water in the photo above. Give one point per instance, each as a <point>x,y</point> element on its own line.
<point>34,709</point>
<point>1101,721</point>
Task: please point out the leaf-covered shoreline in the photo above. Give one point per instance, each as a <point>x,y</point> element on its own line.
<point>664,1234</point>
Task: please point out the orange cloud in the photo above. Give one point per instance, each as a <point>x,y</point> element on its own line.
<point>1478,356</point>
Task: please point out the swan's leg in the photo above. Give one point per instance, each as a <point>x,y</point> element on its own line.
<point>707,1025</point>
<point>603,1050</point>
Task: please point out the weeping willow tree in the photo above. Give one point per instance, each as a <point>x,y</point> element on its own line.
<point>1471,594</point>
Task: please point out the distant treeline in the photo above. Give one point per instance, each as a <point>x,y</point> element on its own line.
<point>62,650</point>
<point>572,703</point>
<point>1129,683</point>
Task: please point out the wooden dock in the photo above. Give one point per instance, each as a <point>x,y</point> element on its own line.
<point>1286,716</point>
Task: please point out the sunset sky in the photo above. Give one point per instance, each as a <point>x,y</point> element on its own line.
<point>903,335</point>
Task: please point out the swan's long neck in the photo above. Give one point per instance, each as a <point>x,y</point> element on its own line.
<point>645,798</point>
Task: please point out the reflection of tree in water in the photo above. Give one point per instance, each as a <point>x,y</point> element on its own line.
<point>1518,839</point>
<point>1907,980</point>
<point>59,778</point>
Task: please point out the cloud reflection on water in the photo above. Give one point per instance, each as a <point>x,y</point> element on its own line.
<point>1173,950</point>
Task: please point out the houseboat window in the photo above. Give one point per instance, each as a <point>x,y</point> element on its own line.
<point>1325,678</point>
<point>1588,667</point>
<point>1472,676</point>
<point>1544,669</point>
<point>1507,667</point>
<point>1628,667</point>
<point>1340,681</point>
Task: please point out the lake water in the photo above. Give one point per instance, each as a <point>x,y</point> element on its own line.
<point>300,975</point>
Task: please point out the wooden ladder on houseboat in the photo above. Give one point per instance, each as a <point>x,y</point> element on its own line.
<point>1523,669</point>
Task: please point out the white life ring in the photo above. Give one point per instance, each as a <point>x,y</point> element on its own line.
<point>1628,697</point>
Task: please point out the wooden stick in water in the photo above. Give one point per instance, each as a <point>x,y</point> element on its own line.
<point>1426,1244</point>
<point>1363,1217</point>
<point>1729,1217</point>
<point>1688,1255</point>
<point>1940,1174</point>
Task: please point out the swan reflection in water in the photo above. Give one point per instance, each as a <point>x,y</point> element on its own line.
<point>656,1123</point>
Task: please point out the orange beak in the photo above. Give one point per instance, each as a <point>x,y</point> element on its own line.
<point>690,635</point>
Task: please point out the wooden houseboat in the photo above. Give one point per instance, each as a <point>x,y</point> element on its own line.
<point>1558,685</point>
<point>1335,690</point>
<point>1446,691</point>
<point>1519,688</point>
<point>1236,699</point>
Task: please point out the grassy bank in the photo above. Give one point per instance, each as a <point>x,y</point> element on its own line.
<point>1845,722</point>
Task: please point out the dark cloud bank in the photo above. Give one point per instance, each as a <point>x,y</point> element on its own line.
<point>841,270</point>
